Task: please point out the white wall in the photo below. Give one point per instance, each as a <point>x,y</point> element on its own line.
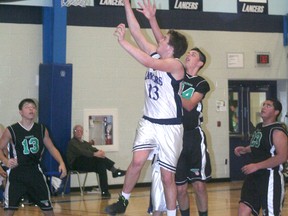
<point>20,56</point>
<point>104,76</point>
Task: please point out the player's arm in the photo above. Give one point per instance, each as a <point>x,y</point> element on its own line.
<point>189,104</point>
<point>149,11</point>
<point>241,150</point>
<point>170,65</point>
<point>55,153</point>
<point>4,140</point>
<point>135,30</point>
<point>280,143</point>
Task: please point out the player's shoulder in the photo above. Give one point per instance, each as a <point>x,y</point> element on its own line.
<point>201,78</point>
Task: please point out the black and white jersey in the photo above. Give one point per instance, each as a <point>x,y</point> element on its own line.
<point>190,85</point>
<point>28,145</point>
<point>262,144</point>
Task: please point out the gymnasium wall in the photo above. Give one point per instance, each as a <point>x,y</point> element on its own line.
<point>105,76</point>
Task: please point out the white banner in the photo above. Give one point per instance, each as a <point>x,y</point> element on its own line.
<point>254,1</point>
<point>44,3</point>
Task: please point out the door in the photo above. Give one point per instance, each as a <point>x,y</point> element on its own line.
<point>245,101</point>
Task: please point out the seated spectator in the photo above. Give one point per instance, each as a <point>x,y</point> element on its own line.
<point>82,156</point>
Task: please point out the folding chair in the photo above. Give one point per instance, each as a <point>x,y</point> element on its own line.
<point>82,187</point>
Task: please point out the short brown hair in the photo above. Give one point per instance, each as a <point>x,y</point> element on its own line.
<point>179,42</point>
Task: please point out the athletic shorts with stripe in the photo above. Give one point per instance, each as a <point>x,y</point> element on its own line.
<point>264,189</point>
<point>29,180</point>
<point>194,162</point>
<point>164,140</point>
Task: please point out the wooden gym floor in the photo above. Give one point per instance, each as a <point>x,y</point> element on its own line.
<point>223,200</point>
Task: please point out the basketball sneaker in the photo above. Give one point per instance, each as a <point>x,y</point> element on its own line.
<point>117,208</point>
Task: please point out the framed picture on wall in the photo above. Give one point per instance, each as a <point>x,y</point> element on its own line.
<point>101,128</point>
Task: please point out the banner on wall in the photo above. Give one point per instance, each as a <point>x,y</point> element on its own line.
<point>114,3</point>
<point>43,3</point>
<point>49,3</point>
<point>253,6</point>
<point>195,5</point>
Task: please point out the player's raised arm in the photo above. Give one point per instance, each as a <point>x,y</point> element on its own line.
<point>135,30</point>
<point>149,11</point>
<point>171,65</point>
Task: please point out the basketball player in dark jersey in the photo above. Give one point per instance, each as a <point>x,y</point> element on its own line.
<point>25,176</point>
<point>194,163</point>
<point>264,184</point>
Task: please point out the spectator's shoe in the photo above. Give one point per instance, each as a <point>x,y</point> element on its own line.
<point>118,207</point>
<point>105,194</point>
<point>118,173</point>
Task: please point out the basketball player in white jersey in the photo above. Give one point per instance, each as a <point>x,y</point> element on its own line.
<point>194,162</point>
<point>161,128</point>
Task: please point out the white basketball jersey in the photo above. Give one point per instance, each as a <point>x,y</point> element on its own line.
<point>162,101</point>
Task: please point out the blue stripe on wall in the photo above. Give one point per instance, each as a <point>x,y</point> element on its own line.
<point>176,19</point>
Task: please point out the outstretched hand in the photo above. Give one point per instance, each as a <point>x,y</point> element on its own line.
<point>147,9</point>
<point>120,32</point>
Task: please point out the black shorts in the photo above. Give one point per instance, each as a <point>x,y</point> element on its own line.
<point>264,189</point>
<point>28,180</point>
<point>194,162</point>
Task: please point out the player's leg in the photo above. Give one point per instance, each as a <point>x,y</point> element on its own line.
<point>131,178</point>
<point>244,210</point>
<point>183,197</point>
<point>143,145</point>
<point>38,190</point>
<point>182,174</point>
<point>170,147</point>
<point>202,167</point>
<point>250,198</point>
<point>134,170</point>
<point>168,180</point>
<point>201,197</point>
<point>14,190</point>
<point>272,189</point>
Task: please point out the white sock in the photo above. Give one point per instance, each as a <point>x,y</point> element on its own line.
<point>125,195</point>
<point>171,212</point>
